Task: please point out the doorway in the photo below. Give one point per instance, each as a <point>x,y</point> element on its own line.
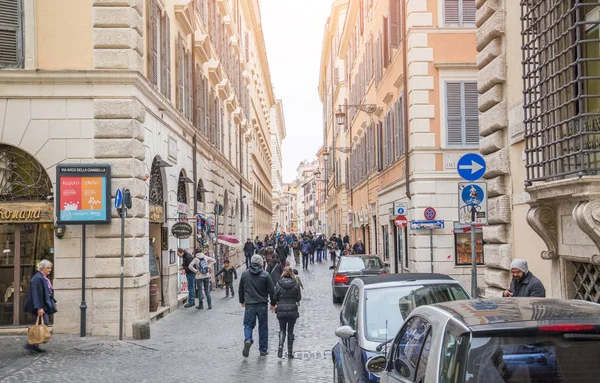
<point>23,246</point>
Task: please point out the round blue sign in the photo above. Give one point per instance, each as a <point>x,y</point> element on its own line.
<point>472,195</point>
<point>471,167</point>
<point>430,213</point>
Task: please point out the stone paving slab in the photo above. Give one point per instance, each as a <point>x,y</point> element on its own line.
<point>203,345</point>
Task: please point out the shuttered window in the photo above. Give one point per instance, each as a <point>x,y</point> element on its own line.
<point>165,57</point>
<point>180,74</point>
<point>386,43</point>
<point>11,33</point>
<point>189,112</point>
<point>459,12</point>
<point>380,145</point>
<point>153,47</point>
<point>462,114</point>
<point>399,126</point>
<point>378,59</point>
<point>394,23</point>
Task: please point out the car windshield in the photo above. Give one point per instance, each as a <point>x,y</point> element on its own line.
<point>534,359</point>
<point>386,308</point>
<point>350,264</point>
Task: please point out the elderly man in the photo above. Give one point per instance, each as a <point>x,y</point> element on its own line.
<point>359,247</point>
<point>524,283</point>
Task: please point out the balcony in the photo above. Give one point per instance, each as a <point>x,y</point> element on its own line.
<point>231,102</point>
<point>215,71</point>
<point>202,47</point>
<point>223,89</point>
<point>184,12</point>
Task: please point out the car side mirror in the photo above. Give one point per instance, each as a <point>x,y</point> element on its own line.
<point>331,267</point>
<point>376,364</point>
<point>345,332</point>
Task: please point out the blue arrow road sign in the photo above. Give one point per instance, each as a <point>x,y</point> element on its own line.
<point>471,167</point>
<point>118,199</point>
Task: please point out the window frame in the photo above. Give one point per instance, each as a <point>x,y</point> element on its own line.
<point>391,362</point>
<point>461,23</point>
<point>478,234</point>
<point>464,119</point>
<point>20,39</point>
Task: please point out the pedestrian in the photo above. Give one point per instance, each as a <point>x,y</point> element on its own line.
<point>320,247</point>
<point>340,244</point>
<point>359,247</point>
<point>313,249</point>
<point>296,250</point>
<point>282,251</point>
<point>249,249</point>
<point>333,247</point>
<point>186,259</point>
<point>40,299</point>
<point>201,265</point>
<point>305,249</point>
<point>274,268</point>
<point>255,291</point>
<point>298,280</point>
<point>347,250</point>
<point>287,296</point>
<point>524,283</point>
<point>346,239</point>
<point>229,273</point>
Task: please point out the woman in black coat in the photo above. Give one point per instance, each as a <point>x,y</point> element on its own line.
<point>40,298</point>
<point>287,296</point>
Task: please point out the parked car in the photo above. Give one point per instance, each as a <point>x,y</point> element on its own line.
<point>374,310</point>
<point>349,267</point>
<point>496,341</point>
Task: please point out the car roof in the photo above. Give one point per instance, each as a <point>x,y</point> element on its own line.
<point>360,256</point>
<point>481,314</point>
<point>404,277</point>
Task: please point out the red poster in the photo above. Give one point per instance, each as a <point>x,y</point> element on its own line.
<point>70,193</point>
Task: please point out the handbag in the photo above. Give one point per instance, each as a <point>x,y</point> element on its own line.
<point>39,332</point>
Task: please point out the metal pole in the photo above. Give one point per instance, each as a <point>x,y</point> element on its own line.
<point>217,239</point>
<point>474,262</point>
<point>83,305</point>
<point>431,248</point>
<point>122,287</point>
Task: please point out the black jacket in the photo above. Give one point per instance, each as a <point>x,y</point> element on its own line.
<point>340,243</point>
<point>228,274</point>
<point>287,295</point>
<point>282,250</point>
<point>359,248</point>
<point>346,239</point>
<point>256,287</point>
<point>38,296</point>
<point>319,243</point>
<point>249,248</point>
<point>274,269</point>
<point>185,262</point>
<point>528,286</point>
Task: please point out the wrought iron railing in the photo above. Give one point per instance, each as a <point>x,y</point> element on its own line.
<point>561,81</point>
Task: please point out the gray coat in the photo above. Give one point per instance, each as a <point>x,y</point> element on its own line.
<point>528,286</point>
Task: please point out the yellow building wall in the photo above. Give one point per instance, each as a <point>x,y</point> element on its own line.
<point>64,34</point>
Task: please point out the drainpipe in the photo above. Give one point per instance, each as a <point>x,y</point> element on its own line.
<point>194,119</point>
<point>405,102</point>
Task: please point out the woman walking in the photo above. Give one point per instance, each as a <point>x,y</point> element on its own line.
<point>40,299</point>
<point>287,297</point>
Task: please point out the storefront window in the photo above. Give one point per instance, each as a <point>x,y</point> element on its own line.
<point>462,244</point>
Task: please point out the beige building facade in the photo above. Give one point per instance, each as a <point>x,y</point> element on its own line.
<point>175,97</point>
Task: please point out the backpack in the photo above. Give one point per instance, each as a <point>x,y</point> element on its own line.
<point>203,268</point>
<point>305,247</point>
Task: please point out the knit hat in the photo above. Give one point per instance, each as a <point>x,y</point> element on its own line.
<point>257,259</point>
<point>520,264</point>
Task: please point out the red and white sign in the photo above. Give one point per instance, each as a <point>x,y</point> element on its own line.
<point>401,221</point>
<point>430,213</point>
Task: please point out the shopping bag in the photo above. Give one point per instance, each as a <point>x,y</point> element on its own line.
<point>39,333</point>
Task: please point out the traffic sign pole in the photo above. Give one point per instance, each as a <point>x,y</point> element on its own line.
<point>473,260</point>
<point>123,212</point>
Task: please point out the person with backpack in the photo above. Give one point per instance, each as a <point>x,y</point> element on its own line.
<point>282,251</point>
<point>320,247</point>
<point>305,248</point>
<point>313,249</point>
<point>274,268</point>
<point>286,298</point>
<point>228,272</point>
<point>201,266</point>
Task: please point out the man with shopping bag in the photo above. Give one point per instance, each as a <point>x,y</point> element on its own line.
<point>40,302</point>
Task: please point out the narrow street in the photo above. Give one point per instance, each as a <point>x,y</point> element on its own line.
<point>203,345</point>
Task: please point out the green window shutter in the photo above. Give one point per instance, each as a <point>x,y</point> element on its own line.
<point>11,33</point>
<point>454,120</point>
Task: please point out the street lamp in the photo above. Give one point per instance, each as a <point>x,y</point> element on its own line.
<point>340,114</point>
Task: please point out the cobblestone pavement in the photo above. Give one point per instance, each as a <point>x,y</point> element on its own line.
<point>203,345</point>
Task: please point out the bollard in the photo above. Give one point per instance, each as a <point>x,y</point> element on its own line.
<point>141,329</point>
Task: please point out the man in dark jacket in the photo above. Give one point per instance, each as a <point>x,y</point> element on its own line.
<point>282,250</point>
<point>320,247</point>
<point>287,297</point>
<point>359,247</point>
<point>189,274</point>
<point>346,239</point>
<point>255,291</point>
<point>524,283</point>
<point>248,251</point>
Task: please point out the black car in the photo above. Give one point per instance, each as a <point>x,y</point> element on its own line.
<point>350,267</point>
<point>495,341</point>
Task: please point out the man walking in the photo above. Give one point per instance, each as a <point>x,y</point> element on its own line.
<point>320,246</point>
<point>249,249</point>
<point>189,274</point>
<point>282,251</point>
<point>524,283</point>
<point>346,239</point>
<point>255,292</point>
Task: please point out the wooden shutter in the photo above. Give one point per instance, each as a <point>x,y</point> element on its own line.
<point>386,43</point>
<point>451,12</point>
<point>188,86</point>
<point>454,113</point>
<point>198,98</point>
<point>377,60</point>
<point>206,107</point>
<point>167,56</point>
<point>394,23</point>
<point>11,33</point>
<point>180,74</point>
<point>468,12</point>
<point>153,27</point>
<point>379,146</point>
<point>400,126</point>
<point>471,119</point>
<point>362,16</point>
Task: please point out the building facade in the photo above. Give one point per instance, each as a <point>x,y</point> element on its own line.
<point>409,113</point>
<point>174,96</point>
<point>278,133</point>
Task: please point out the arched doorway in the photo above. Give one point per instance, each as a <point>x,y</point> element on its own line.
<point>158,237</point>
<point>24,186</point>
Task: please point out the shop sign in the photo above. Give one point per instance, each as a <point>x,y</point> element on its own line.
<point>181,230</point>
<point>83,194</point>
<point>26,212</point>
<point>157,214</point>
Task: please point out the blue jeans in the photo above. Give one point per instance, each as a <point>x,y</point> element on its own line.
<point>204,282</point>
<point>250,315</point>
<point>319,255</point>
<point>190,282</point>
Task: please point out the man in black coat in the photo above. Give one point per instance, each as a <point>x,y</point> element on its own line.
<point>346,239</point>
<point>40,300</point>
<point>187,258</point>
<point>359,247</point>
<point>282,250</point>
<point>524,283</point>
<point>249,249</point>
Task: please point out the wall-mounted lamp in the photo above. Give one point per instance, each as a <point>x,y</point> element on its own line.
<point>186,180</point>
<point>59,230</point>
<point>163,164</point>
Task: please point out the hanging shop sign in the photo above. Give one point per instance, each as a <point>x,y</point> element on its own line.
<point>83,194</point>
<point>181,230</point>
<point>26,212</point>
<point>157,214</point>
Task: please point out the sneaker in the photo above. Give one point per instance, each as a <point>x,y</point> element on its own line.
<point>209,307</point>
<point>199,307</point>
<point>264,353</point>
<point>247,345</point>
<point>188,305</point>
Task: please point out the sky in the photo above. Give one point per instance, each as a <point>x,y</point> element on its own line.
<point>293,32</point>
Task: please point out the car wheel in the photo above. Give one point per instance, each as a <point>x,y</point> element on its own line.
<point>336,299</point>
<point>337,378</point>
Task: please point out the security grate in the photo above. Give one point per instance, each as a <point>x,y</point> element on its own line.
<point>586,282</point>
<point>561,88</point>
<point>22,177</point>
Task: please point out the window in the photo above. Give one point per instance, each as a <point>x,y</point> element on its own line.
<point>159,49</point>
<point>11,34</point>
<point>462,113</point>
<point>459,13</point>
<point>462,244</point>
<point>350,311</point>
<point>411,342</point>
<point>449,358</point>
<point>422,366</point>
<point>399,126</point>
<point>184,79</point>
